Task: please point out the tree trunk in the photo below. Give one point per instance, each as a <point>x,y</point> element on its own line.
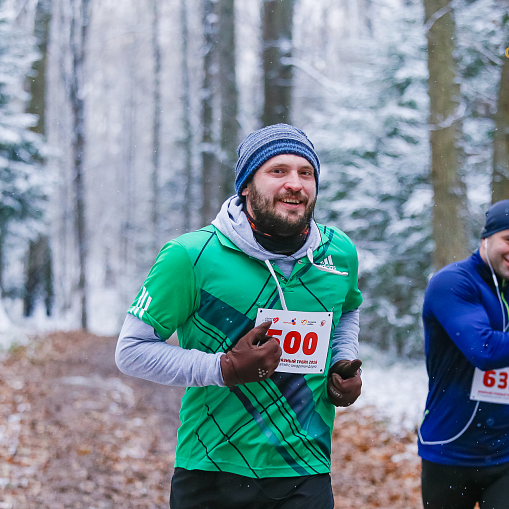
<point>277,74</point>
<point>37,104</point>
<point>2,238</point>
<point>207,148</point>
<point>38,281</point>
<point>156,128</point>
<point>78,39</point>
<point>127,170</point>
<point>38,278</point>
<point>229,97</point>
<point>186,121</point>
<point>500,180</point>
<point>449,210</point>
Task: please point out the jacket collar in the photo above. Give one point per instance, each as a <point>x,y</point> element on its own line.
<point>484,271</point>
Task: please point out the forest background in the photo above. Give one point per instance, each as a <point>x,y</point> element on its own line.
<point>119,124</point>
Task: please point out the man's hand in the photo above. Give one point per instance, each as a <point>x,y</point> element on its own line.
<point>254,358</point>
<point>344,383</point>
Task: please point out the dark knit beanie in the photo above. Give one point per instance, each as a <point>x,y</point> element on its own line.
<point>497,219</point>
<point>270,141</point>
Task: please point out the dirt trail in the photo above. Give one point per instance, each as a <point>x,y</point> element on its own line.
<point>76,433</point>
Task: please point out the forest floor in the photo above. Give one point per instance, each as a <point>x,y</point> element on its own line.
<point>76,433</point>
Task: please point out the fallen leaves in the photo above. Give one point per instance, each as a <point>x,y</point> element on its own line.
<point>372,468</point>
<point>75,433</point>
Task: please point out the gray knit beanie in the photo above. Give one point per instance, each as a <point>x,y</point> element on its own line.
<point>270,141</point>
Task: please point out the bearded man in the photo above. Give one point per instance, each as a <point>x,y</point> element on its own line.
<point>265,304</point>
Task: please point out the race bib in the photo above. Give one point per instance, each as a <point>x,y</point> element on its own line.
<point>491,386</point>
<point>303,336</point>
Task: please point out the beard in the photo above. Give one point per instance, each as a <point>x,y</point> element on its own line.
<point>274,223</point>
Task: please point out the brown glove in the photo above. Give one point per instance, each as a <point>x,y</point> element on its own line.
<point>344,383</point>
<point>254,358</point>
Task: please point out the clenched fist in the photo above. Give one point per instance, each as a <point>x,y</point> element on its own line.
<point>254,358</point>
<point>344,383</point>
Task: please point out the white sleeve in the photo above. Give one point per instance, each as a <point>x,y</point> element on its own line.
<point>143,354</point>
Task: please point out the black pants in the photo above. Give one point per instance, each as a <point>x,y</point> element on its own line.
<point>449,487</point>
<point>197,489</point>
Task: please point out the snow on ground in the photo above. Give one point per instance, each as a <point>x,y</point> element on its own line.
<point>393,389</point>
<point>16,330</point>
<point>106,315</point>
<point>9,332</point>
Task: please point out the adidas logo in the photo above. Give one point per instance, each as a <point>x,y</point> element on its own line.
<point>142,304</point>
<point>327,263</point>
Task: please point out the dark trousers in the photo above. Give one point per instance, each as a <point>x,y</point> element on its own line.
<point>198,489</point>
<point>450,487</point>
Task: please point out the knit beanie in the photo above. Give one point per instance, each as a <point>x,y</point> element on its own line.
<point>270,141</point>
<point>497,219</point>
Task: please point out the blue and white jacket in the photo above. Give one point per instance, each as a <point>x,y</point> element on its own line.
<point>463,325</point>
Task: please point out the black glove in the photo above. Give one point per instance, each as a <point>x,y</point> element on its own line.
<point>344,382</point>
<point>254,358</point>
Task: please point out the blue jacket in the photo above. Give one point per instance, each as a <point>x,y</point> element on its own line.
<point>463,329</point>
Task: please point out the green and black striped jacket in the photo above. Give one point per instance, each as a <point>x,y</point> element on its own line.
<point>209,291</point>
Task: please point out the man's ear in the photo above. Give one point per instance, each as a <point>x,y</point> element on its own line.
<point>245,192</point>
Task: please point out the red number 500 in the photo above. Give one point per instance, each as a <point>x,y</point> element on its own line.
<point>293,341</point>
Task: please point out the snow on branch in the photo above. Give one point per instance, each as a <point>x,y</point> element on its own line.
<point>447,122</point>
<point>312,72</point>
<point>437,15</point>
<point>488,54</point>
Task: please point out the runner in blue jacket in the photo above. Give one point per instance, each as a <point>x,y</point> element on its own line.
<point>464,437</point>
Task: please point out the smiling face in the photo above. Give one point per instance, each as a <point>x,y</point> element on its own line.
<point>282,194</point>
<point>498,253</point>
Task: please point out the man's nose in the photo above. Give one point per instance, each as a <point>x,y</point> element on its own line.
<point>293,181</point>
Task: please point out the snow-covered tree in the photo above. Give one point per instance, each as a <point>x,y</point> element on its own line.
<point>370,123</point>
<point>371,132</point>
<point>483,36</point>
<point>22,187</point>
<point>359,91</point>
